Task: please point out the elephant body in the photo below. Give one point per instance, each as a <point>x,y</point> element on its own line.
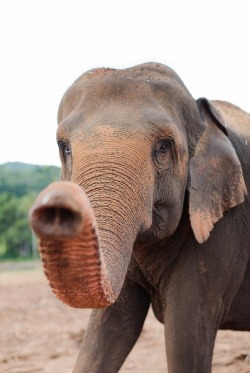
<point>163,219</point>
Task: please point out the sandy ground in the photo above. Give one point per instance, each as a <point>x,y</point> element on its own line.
<point>40,334</point>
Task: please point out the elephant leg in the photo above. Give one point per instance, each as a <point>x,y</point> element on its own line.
<point>187,350</point>
<point>190,327</point>
<point>113,331</point>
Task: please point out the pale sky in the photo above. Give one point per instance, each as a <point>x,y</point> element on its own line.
<point>46,44</point>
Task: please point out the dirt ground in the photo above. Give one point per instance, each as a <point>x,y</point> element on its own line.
<point>40,334</point>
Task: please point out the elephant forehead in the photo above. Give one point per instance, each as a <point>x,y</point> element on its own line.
<point>118,90</point>
<point>120,106</point>
<point>95,93</point>
<point>144,123</point>
<point>137,80</point>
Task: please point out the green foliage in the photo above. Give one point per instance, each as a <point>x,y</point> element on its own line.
<point>19,185</point>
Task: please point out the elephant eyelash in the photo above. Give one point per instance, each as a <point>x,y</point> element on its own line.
<point>61,142</point>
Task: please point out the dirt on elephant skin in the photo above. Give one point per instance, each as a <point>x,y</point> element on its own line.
<point>40,334</point>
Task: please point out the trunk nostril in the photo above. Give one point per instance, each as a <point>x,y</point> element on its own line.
<point>57,215</point>
<point>56,222</point>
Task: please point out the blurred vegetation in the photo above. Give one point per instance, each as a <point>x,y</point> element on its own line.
<point>19,185</point>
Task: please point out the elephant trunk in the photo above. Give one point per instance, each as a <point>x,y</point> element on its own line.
<point>79,261</point>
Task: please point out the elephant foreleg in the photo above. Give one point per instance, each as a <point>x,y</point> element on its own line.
<point>190,327</point>
<point>113,331</point>
<point>189,347</point>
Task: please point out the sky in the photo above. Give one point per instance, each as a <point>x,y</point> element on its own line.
<point>47,44</point>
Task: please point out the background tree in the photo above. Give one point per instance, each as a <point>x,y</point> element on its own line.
<point>19,185</point>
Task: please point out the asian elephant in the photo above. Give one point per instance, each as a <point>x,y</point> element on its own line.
<point>153,209</point>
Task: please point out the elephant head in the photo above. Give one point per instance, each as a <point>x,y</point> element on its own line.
<point>133,144</point>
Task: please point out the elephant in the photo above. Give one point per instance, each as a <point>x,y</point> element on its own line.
<point>152,211</point>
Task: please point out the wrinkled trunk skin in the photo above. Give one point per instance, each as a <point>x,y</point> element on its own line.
<point>69,244</point>
<point>64,223</point>
<point>86,237</point>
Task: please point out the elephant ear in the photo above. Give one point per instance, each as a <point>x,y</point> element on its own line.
<point>216,182</point>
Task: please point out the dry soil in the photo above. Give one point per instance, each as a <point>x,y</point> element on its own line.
<point>40,334</point>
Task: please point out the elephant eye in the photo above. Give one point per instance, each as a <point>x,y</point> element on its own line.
<point>163,152</point>
<point>163,146</point>
<point>64,148</point>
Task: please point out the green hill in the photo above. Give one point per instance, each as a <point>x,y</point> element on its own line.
<point>19,185</point>
<point>21,178</point>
